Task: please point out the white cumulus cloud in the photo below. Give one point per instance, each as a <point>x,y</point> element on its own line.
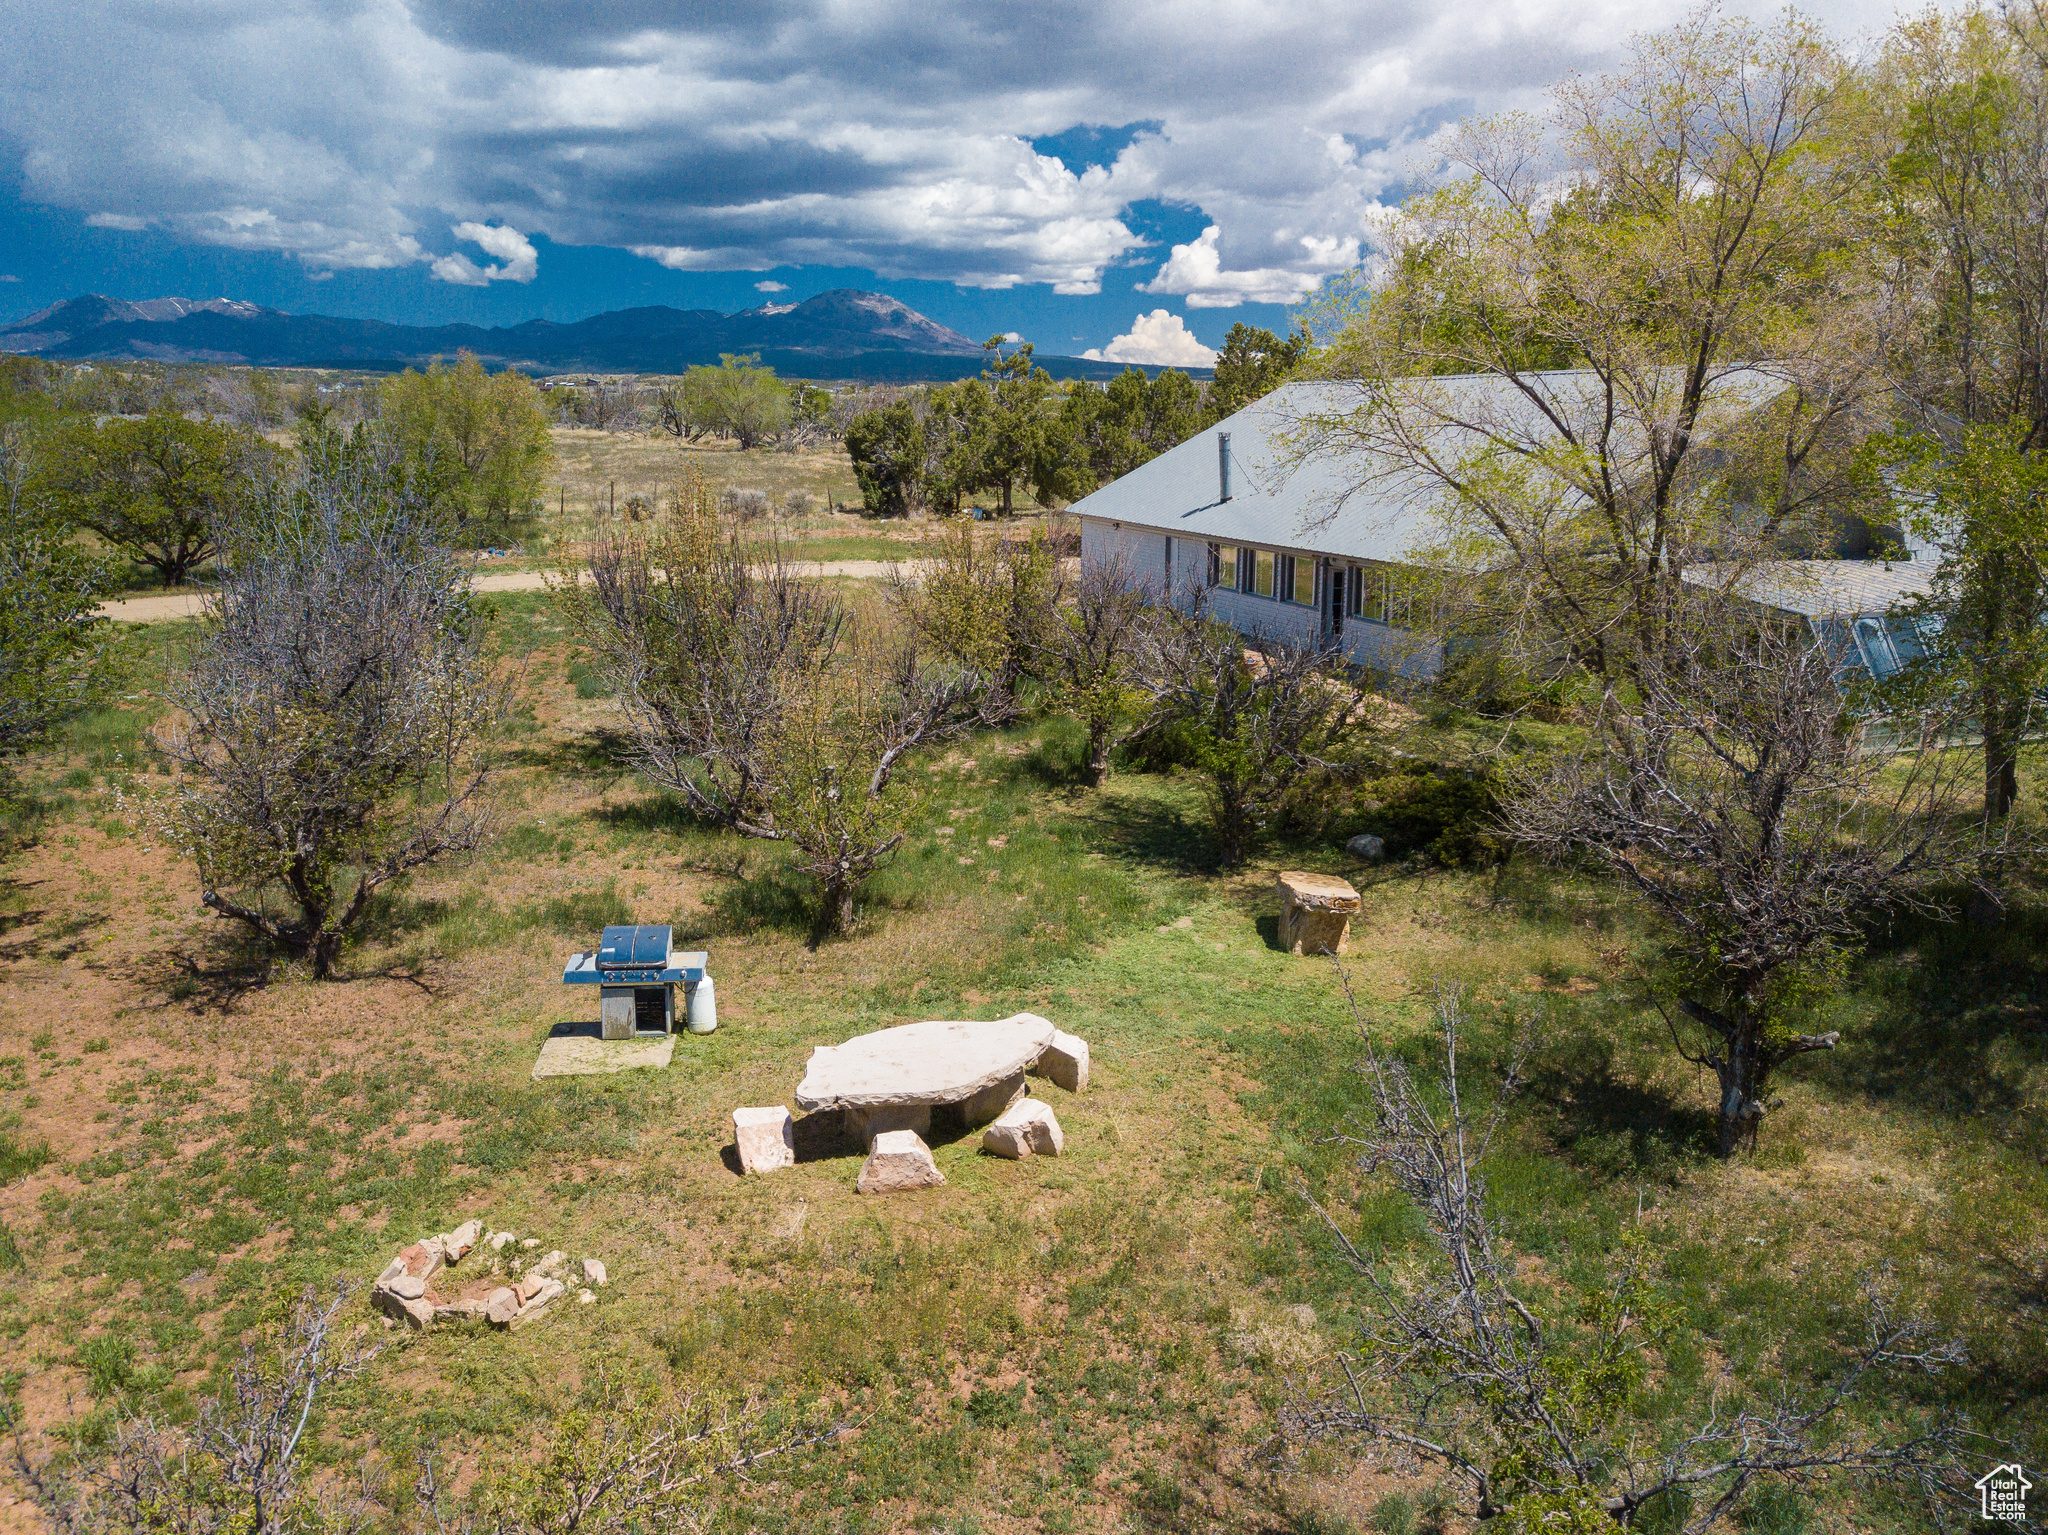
<point>771,287</point>
<point>126,221</point>
<point>1161,339</point>
<point>1196,273</point>
<point>522,261</point>
<point>781,133</point>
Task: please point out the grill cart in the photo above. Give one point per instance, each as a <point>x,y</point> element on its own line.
<point>637,973</point>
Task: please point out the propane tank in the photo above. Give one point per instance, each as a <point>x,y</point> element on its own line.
<point>700,1016</point>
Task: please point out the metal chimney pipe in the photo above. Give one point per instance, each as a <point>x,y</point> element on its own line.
<point>1223,466</point>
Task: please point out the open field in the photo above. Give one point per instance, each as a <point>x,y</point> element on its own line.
<point>596,472</point>
<point>1095,1343</point>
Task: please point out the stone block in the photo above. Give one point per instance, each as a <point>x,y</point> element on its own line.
<point>864,1124</point>
<point>414,1312</point>
<point>498,1241</point>
<point>457,1243</point>
<point>1064,1062</point>
<point>551,1290</point>
<point>502,1306</point>
<point>392,1270</point>
<point>460,1311</point>
<point>593,1272</point>
<point>898,1160</point>
<point>585,1298</point>
<point>1367,848</point>
<point>424,1259</point>
<point>1315,913</point>
<point>553,1263</point>
<point>990,1102</point>
<point>405,1287</point>
<point>765,1138</point>
<point>1026,1129</point>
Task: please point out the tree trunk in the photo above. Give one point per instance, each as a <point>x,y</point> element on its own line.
<point>324,950</point>
<point>1232,833</point>
<point>2001,772</point>
<point>1740,1070</point>
<point>1098,753</point>
<point>1006,497</point>
<point>835,911</point>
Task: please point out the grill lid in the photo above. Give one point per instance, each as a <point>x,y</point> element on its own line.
<point>623,948</point>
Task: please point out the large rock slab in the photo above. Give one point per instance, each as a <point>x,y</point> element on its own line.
<point>899,1161</point>
<point>1315,913</point>
<point>922,1063</point>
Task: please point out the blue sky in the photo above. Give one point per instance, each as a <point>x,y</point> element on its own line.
<point>1058,170</point>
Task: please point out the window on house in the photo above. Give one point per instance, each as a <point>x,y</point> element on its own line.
<point>1283,577</point>
<point>1222,565</point>
<point>1354,592</point>
<point>1262,572</point>
<point>1304,582</point>
<point>1244,570</point>
<point>1879,657</point>
<point>1399,601</point>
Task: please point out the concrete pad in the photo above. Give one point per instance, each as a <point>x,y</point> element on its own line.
<point>574,1050</point>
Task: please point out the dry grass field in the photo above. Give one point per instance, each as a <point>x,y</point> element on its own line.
<point>1094,1343</point>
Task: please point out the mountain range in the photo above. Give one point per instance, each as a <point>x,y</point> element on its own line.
<point>843,334</point>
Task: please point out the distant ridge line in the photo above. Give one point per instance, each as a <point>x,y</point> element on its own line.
<point>845,333</point>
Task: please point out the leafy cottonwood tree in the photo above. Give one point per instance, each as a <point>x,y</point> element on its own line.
<point>740,398</point>
<point>161,490</point>
<point>51,648</point>
<point>480,439</point>
<point>1958,129</point>
<point>1692,268</point>
<point>332,731</point>
<point>1538,1401</point>
<point>1731,788</point>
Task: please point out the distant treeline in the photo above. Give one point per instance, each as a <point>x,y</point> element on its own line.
<point>1015,428</point>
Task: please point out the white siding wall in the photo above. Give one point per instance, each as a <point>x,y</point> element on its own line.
<point>1383,647</point>
<point>1143,551</point>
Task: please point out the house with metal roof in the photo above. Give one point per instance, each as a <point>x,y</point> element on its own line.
<point>1286,550</point>
<point>1309,547</point>
<point>1862,608</point>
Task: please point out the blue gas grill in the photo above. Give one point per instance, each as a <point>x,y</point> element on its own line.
<point>637,972</point>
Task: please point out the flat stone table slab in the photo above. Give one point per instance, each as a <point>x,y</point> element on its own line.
<point>894,1076</point>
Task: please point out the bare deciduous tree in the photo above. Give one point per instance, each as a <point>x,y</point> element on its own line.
<point>332,731</point>
<point>988,603</point>
<point>1538,1410</point>
<point>1088,655</point>
<point>1735,791</point>
<point>1254,715</point>
<point>615,1464</point>
<point>235,1470</point>
<point>772,708</point>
